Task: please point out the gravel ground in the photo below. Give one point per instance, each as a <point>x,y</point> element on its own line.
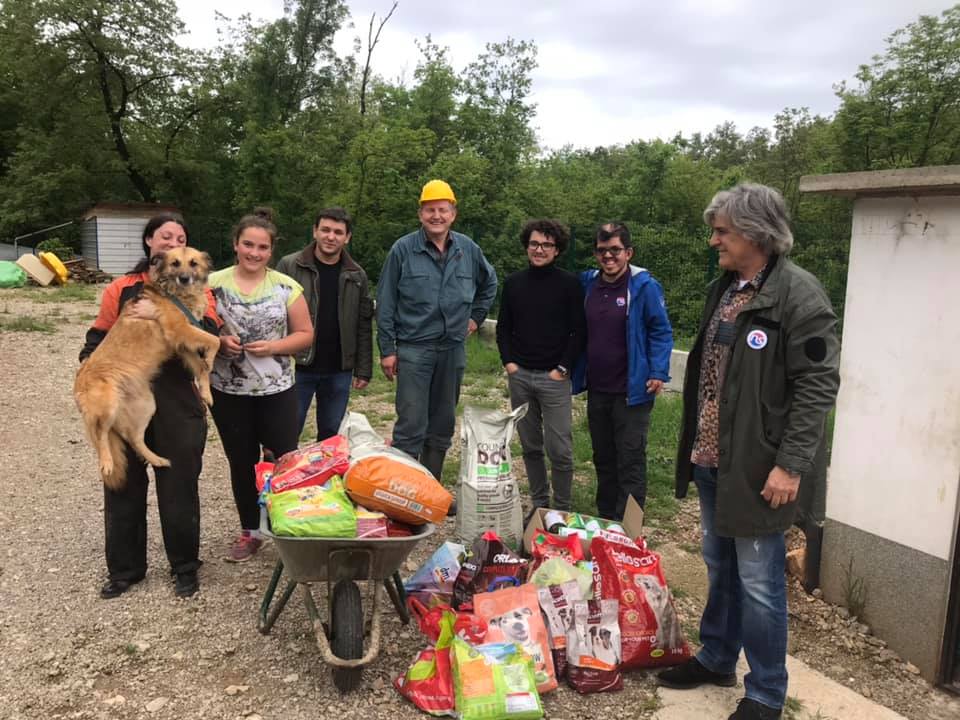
<point>65,653</point>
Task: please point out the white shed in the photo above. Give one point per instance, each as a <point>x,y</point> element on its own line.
<point>893,499</point>
<point>110,234</point>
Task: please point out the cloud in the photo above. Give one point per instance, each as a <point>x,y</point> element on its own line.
<point>620,70</point>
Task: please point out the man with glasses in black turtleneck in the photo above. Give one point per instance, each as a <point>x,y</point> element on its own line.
<point>541,330</point>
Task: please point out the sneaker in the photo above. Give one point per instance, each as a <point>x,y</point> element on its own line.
<point>244,548</point>
<point>692,674</point>
<point>748,709</point>
<point>116,588</point>
<point>186,584</point>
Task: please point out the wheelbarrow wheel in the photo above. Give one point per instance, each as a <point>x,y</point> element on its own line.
<point>346,626</point>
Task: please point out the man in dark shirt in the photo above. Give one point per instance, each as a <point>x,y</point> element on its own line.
<point>541,330</point>
<point>627,361</point>
<point>341,308</point>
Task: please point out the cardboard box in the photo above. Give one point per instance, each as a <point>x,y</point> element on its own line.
<point>34,267</point>
<point>632,523</point>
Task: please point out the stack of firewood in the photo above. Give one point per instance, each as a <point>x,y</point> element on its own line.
<point>80,273</point>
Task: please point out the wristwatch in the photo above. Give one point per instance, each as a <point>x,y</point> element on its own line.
<point>562,370</point>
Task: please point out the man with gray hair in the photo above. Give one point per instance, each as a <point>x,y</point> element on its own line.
<point>760,380</point>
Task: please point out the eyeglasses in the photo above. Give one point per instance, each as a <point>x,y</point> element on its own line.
<point>541,245</point>
<point>612,251</point>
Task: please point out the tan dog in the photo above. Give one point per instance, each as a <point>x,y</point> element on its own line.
<point>112,388</point>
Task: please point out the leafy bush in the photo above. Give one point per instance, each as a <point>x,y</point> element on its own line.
<point>58,247</point>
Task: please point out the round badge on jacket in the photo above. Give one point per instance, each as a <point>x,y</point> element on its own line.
<point>757,339</point>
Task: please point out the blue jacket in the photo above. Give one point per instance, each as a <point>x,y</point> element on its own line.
<point>419,300</point>
<point>649,335</point>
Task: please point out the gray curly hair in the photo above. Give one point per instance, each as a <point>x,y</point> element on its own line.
<point>757,212</point>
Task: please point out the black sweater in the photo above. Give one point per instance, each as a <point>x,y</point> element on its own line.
<point>541,323</point>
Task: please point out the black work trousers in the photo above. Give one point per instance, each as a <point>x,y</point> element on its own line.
<point>177,432</point>
<point>245,423</point>
<point>618,433</point>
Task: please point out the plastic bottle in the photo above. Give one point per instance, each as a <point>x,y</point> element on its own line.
<point>555,521</point>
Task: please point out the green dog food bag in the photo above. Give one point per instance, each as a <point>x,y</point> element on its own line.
<point>494,681</point>
<point>314,511</point>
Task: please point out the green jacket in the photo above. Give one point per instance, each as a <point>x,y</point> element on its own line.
<point>354,311</point>
<point>774,401</point>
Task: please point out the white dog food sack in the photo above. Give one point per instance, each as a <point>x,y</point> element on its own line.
<point>488,497</point>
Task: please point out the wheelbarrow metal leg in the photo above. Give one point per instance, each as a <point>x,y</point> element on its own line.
<point>395,591</point>
<point>268,617</point>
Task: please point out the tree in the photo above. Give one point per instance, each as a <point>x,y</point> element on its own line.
<point>905,112</point>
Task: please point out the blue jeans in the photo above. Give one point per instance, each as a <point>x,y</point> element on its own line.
<point>428,389</point>
<point>332,391</point>
<point>746,603</point>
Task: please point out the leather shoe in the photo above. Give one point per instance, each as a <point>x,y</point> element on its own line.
<point>186,584</point>
<point>692,674</point>
<point>452,510</point>
<point>748,709</point>
<point>116,588</point>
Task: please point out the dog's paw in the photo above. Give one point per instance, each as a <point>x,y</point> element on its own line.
<point>161,462</point>
<point>207,398</point>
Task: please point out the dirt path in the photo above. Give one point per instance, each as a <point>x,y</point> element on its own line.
<point>64,653</point>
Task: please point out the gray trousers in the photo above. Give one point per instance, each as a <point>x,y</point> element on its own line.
<point>428,388</point>
<point>546,426</point>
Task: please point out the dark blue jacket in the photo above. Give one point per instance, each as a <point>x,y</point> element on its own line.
<point>649,335</point>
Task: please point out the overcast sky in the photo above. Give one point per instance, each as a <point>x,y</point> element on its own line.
<point>619,70</point>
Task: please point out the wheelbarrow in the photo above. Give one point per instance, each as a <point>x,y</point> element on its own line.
<point>340,563</point>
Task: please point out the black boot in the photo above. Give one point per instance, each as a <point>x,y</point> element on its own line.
<point>432,459</point>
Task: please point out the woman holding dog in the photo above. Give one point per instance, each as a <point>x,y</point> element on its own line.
<point>266,321</point>
<point>178,431</point>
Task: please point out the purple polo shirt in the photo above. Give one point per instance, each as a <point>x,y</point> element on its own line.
<point>606,310</point>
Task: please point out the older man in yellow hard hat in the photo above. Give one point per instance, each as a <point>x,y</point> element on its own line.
<point>435,289</point>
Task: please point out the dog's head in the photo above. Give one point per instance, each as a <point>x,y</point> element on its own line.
<point>515,624</point>
<point>179,268</point>
<point>656,594</point>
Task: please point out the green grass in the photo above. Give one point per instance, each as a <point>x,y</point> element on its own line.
<point>59,293</point>
<point>792,707</point>
<point>26,323</point>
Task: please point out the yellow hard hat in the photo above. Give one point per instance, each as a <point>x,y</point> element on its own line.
<point>437,190</point>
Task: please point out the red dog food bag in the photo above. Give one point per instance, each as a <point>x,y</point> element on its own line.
<point>649,627</point>
<point>513,615</point>
<point>593,647</point>
<point>545,546</point>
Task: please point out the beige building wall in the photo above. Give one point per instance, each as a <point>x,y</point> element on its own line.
<point>895,467</point>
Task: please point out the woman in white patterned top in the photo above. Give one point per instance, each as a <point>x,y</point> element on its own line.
<point>266,321</point>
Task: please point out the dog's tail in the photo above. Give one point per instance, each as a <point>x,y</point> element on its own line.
<point>117,478</point>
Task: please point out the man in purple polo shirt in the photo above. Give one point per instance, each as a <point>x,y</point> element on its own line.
<point>626,363</point>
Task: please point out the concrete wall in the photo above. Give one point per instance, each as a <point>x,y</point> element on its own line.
<point>895,469</point>
<point>905,590</point>
<point>10,252</point>
<point>892,497</point>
